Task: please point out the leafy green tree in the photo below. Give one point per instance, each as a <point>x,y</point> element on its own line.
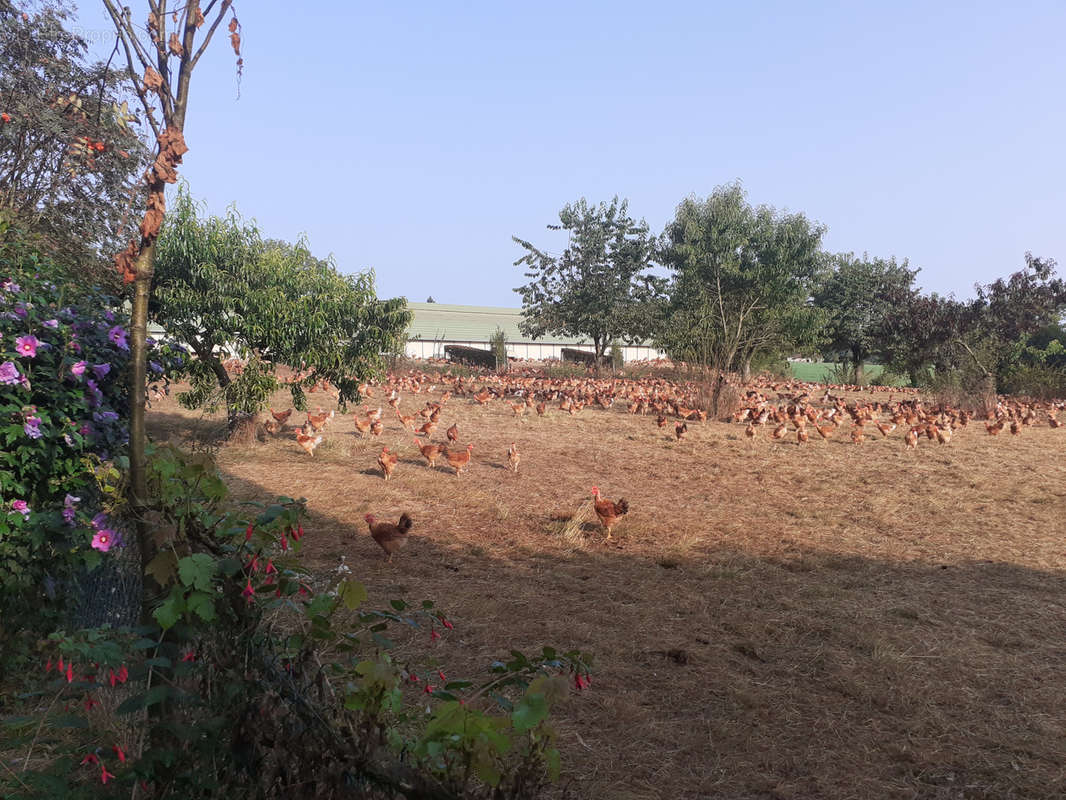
<point>223,290</point>
<point>854,295</point>
<point>741,282</point>
<point>598,287</point>
<point>69,150</point>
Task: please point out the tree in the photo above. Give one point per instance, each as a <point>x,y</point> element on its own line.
<point>225,291</point>
<point>167,84</point>
<point>741,281</point>
<point>69,151</point>
<point>598,286</point>
<point>854,296</point>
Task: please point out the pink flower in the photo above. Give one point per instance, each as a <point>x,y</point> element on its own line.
<point>26,346</point>
<point>433,636</point>
<point>104,774</point>
<point>21,507</point>
<point>77,369</point>
<point>249,592</point>
<point>248,532</point>
<point>90,758</point>
<point>120,753</point>
<point>103,540</point>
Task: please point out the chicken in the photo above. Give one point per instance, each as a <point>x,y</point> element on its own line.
<point>281,416</point>
<point>911,439</point>
<point>750,432</point>
<point>780,431</point>
<point>802,437</point>
<point>680,429</point>
<point>660,421</point>
<point>319,421</point>
<point>994,429</point>
<point>308,443</point>
<point>453,433</point>
<point>513,457</point>
<point>363,426</point>
<point>387,461</point>
<point>943,435</point>
<point>518,408</point>
<point>427,429</point>
<point>885,428</point>
<point>376,427</point>
<point>857,434</point>
<point>430,452</point>
<point>609,512</point>
<point>542,407</point>
<point>389,536</point>
<point>407,420</point>
<point>458,459</point>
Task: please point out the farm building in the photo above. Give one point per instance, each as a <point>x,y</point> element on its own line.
<point>435,325</point>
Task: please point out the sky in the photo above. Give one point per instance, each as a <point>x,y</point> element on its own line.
<point>416,139</point>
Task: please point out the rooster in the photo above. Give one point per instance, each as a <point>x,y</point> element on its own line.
<point>387,461</point>
<point>609,512</point>
<point>458,459</point>
<point>430,452</point>
<point>513,457</point>
<point>389,536</point>
<point>308,443</point>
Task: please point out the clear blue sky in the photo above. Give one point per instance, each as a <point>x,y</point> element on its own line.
<point>416,138</point>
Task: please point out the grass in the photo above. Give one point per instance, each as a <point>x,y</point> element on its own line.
<point>818,371</point>
<point>826,621</point>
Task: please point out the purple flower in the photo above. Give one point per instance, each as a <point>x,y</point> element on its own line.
<point>10,286</point>
<point>32,427</point>
<point>99,521</point>
<point>51,323</point>
<point>20,311</point>
<point>26,346</point>
<point>155,366</point>
<point>96,397</point>
<point>68,508</point>
<point>148,340</point>
<point>22,507</point>
<point>105,416</point>
<point>103,540</point>
<point>100,370</point>
<point>109,316</point>
<point>117,335</point>
<point>78,369</point>
<point>9,374</point>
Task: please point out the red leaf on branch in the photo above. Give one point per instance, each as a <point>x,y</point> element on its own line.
<point>152,79</point>
<point>174,45</point>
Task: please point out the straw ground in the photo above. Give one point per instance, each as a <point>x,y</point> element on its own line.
<point>783,621</point>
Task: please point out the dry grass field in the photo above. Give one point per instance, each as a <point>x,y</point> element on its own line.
<point>778,621</point>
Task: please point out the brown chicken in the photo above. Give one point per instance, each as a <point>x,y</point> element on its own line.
<point>453,433</point>
<point>363,426</point>
<point>430,452</point>
<point>389,536</point>
<point>542,407</point>
<point>608,511</point>
<point>281,416</point>
<point>680,429</point>
<point>308,443</point>
<point>513,457</point>
<point>376,427</point>
<point>319,421</point>
<point>802,437</point>
<point>660,420</point>
<point>911,439</point>
<point>458,459</point>
<point>387,461</point>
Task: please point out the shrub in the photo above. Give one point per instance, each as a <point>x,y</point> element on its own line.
<point>259,684</point>
<point>498,344</point>
<point>473,356</point>
<point>63,401</point>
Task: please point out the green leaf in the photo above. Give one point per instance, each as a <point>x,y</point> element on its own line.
<point>353,594</point>
<point>197,571</point>
<point>169,611</point>
<point>203,605</point>
<point>531,711</point>
<point>163,567</point>
<point>69,721</point>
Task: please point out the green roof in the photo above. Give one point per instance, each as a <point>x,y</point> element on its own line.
<point>452,323</point>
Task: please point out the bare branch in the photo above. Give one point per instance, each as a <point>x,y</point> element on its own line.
<point>211,30</point>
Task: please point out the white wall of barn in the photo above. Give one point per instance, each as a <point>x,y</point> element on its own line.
<point>534,351</point>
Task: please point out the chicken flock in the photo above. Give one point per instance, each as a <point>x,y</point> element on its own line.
<point>777,410</point>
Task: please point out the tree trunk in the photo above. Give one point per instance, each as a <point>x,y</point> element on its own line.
<point>857,363</point>
<point>745,371</point>
<point>142,289</point>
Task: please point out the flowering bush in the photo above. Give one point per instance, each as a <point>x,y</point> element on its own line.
<point>63,408</point>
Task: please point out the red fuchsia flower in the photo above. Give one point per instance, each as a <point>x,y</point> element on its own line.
<point>253,564</point>
<point>60,666</point>
<point>189,656</point>
<point>304,591</point>
<point>123,674</point>
<point>90,703</point>
<point>441,674</point>
<point>284,543</point>
<point>120,753</point>
<point>70,673</point>
<point>90,758</point>
<point>104,774</point>
<point>248,531</point>
<point>433,636</point>
<point>48,666</point>
<point>26,346</point>
<point>412,678</point>
<point>430,688</point>
<point>446,624</point>
<point>581,683</point>
<point>249,592</point>
<point>299,534</point>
